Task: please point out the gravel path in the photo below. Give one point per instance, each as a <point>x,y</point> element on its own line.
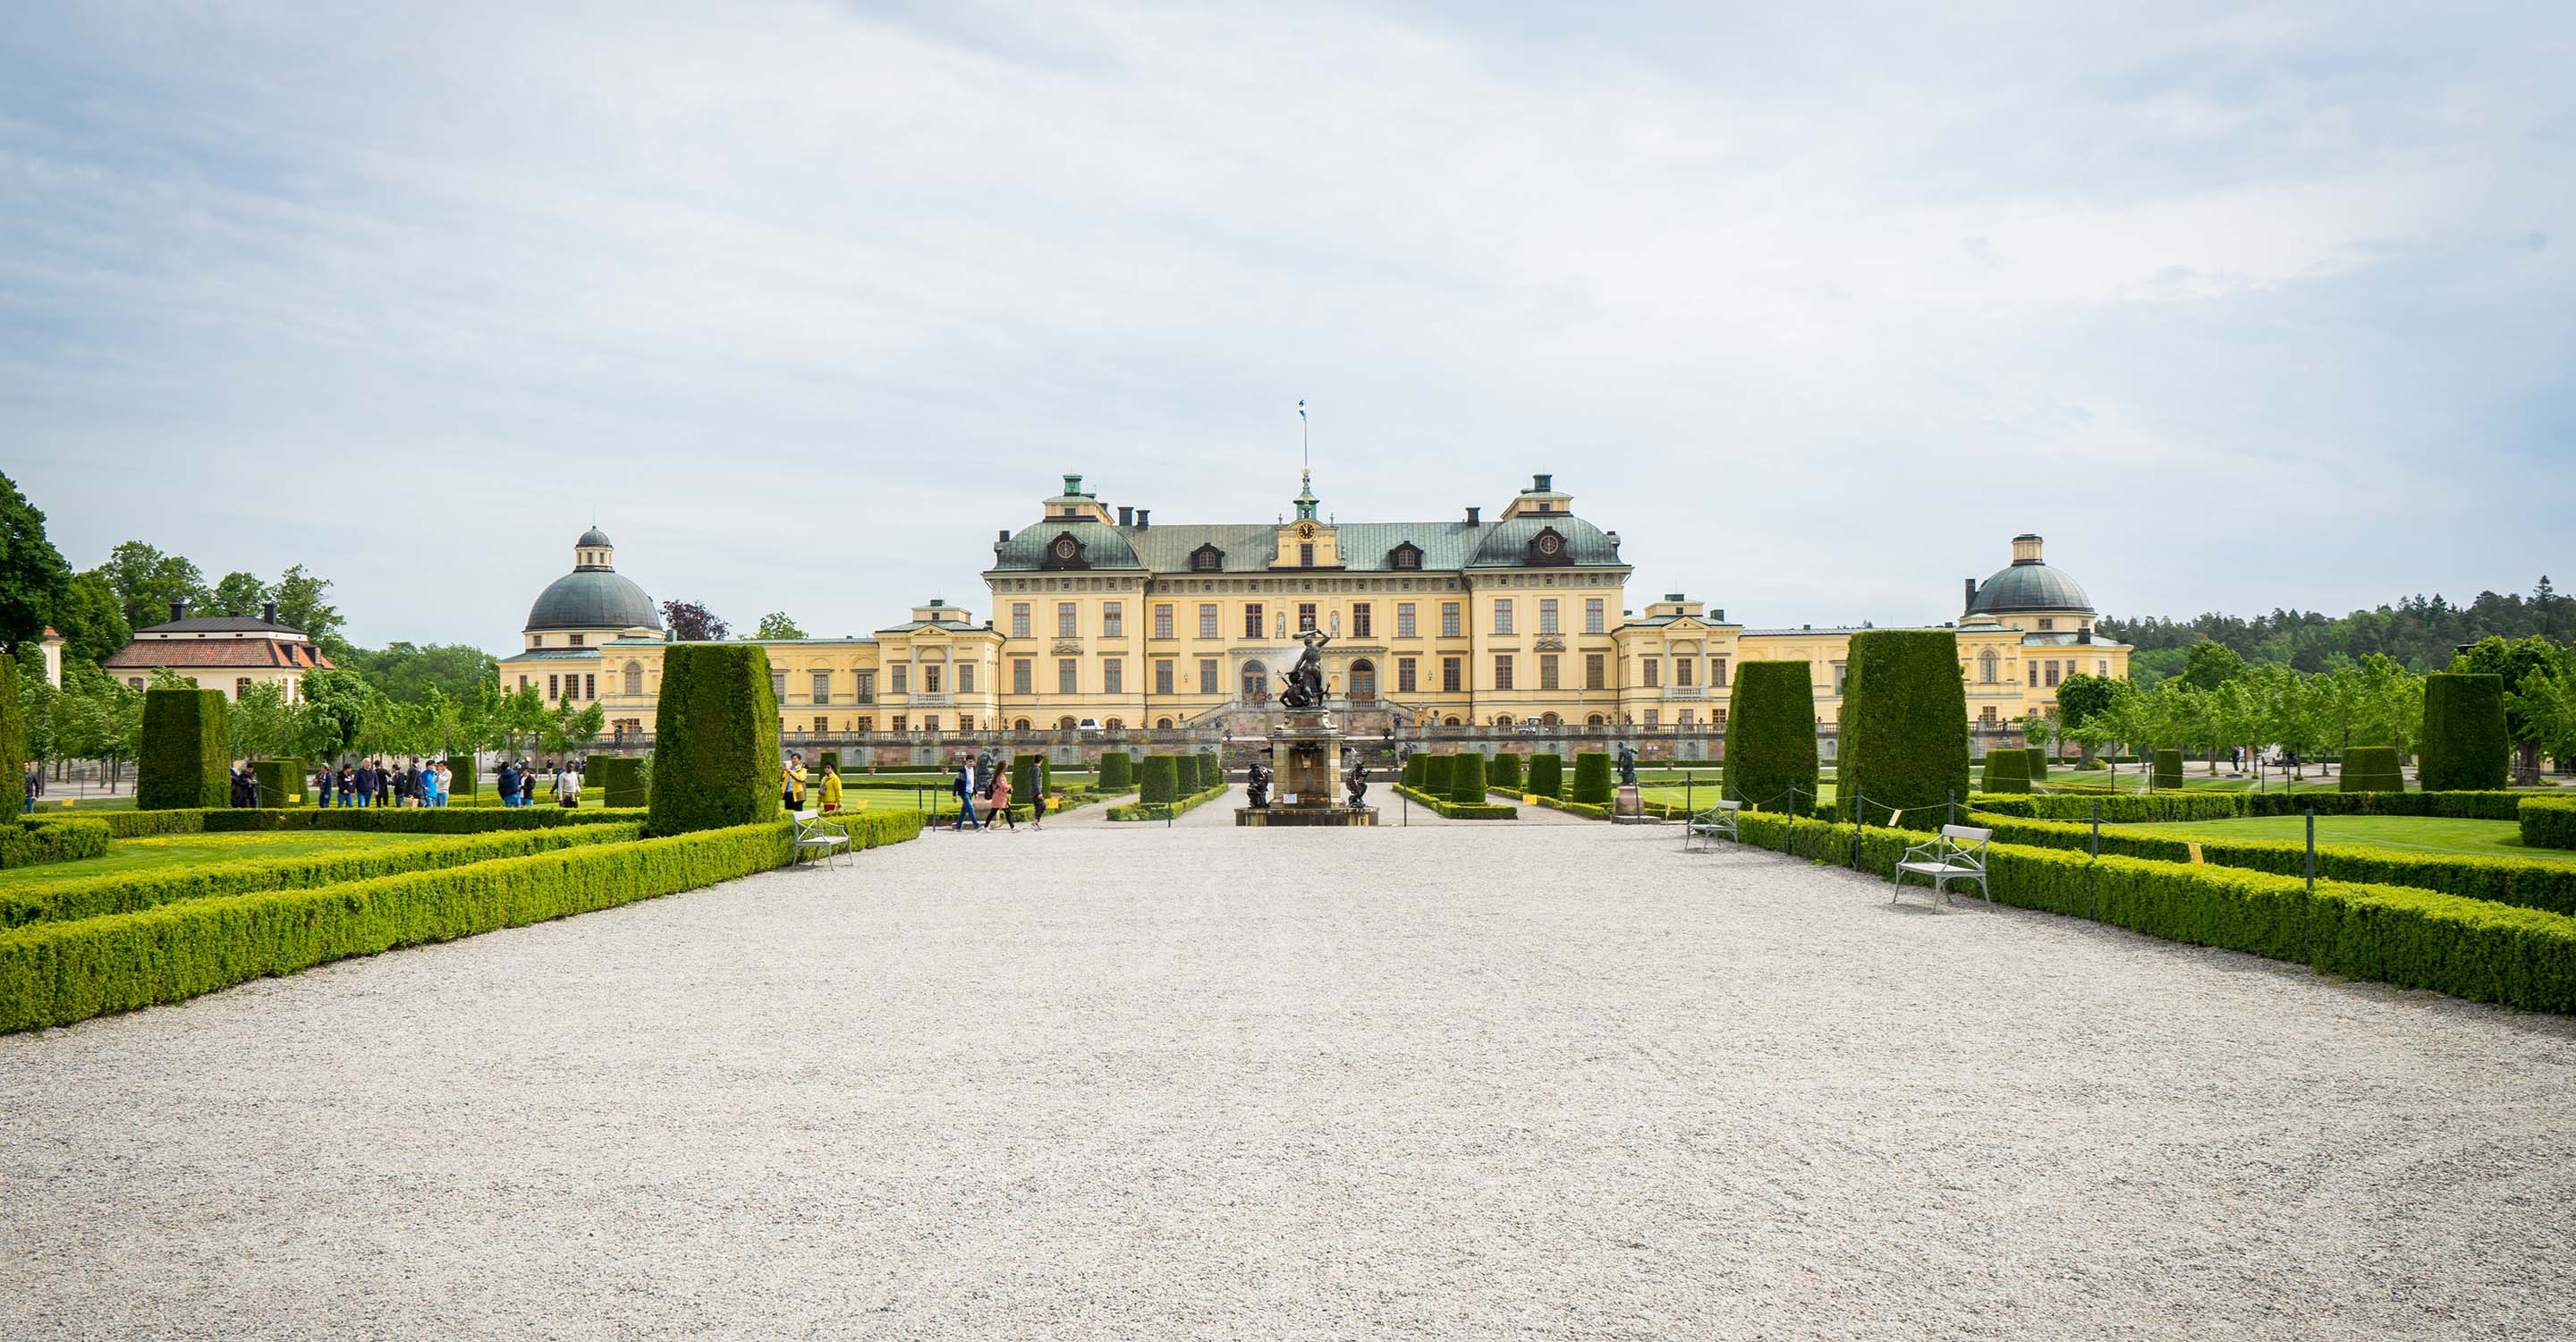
<point>1456,1080</point>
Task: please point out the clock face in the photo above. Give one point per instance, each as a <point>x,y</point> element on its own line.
<point>1306,530</point>
<point>1066,547</point>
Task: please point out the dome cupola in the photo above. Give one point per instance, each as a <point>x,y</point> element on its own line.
<point>2027,585</point>
<point>594,595</point>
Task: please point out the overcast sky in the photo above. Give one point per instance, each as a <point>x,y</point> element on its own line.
<point>2241,305</point>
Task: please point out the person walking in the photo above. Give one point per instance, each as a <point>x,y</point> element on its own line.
<point>366,782</point>
<point>527,786</point>
<point>568,786</point>
<point>1038,803</point>
<point>964,787</point>
<point>791,782</point>
<point>446,780</point>
<point>505,782</point>
<point>35,787</point>
<point>827,793</point>
<point>997,802</point>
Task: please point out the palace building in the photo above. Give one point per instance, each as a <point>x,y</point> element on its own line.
<point>1104,619</point>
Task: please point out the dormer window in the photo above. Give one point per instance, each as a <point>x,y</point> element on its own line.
<point>1207,559</point>
<point>1065,551</point>
<point>576,640</point>
<point>1548,547</point>
<point>1405,556</point>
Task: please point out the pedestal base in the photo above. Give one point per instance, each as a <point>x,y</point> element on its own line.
<point>1341,817</point>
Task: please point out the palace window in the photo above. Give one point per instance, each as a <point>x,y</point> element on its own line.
<point>1503,616</point>
<point>1986,716</point>
<point>1404,619</point>
<point>2101,666</point>
<point>536,640</point>
<point>1448,619</point>
<point>867,725</point>
<point>554,687</point>
<point>1595,672</point>
<point>2032,668</point>
<point>1065,624</point>
<point>1113,676</point>
<point>1068,675</point>
<point>1163,677</point>
<point>1360,619</point>
<point>1020,676</point>
<point>634,680</point>
<point>1650,672</point>
<point>1256,682</point>
<point>241,686</point>
<point>900,677</point>
<point>1207,559</point>
<point>867,687</point>
<point>1547,615</point>
<point>1502,670</point>
<point>1207,620</point>
<point>576,640</point>
<point>822,687</point>
<point>2052,674</point>
<point>822,725</point>
<point>1593,615</point>
<point>1449,673</point>
<point>1305,616</point>
<point>1207,675</point>
<point>1547,670</point>
<point>1252,619</point>
<point>2046,624</point>
<point>1404,675</point>
<point>1019,619</point>
<point>1162,621</point>
<point>1717,673</point>
<point>1404,556</point>
<point>1842,673</point>
<point>1654,719</point>
<point>1363,679</point>
<point>966,678</point>
<point>1113,619</point>
<point>930,679</point>
<point>1683,669</point>
<point>1986,667</point>
<point>778,687</point>
<point>590,685</point>
<point>1306,555</point>
<point>902,722</point>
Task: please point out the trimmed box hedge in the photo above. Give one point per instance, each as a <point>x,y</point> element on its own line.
<point>2371,769</point>
<point>1436,774</point>
<point>2548,822</point>
<point>58,972</point>
<point>282,781</point>
<point>2127,808</point>
<point>1591,778</point>
<point>1460,810</point>
<point>2006,771</point>
<point>2167,773</point>
<point>367,820</point>
<point>2464,746</point>
<point>2038,763</point>
<point>1467,779</point>
<point>1158,782</point>
<point>1771,736</point>
<point>55,840</point>
<point>624,781</point>
<point>185,760</point>
<point>715,739</point>
<point>1904,739</point>
<point>1547,774</point>
<point>126,892</point>
<point>1117,772</point>
<point>1503,774</point>
<point>1145,810</point>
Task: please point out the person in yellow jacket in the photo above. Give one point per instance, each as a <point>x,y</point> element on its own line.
<point>792,783</point>
<point>829,790</point>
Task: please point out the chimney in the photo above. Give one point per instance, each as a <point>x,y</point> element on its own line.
<point>2084,635</point>
<point>1126,515</point>
<point>178,611</point>
<point>268,611</point>
<point>1542,484</point>
<point>1003,534</point>
<point>1721,615</point>
<point>1969,601</point>
<point>1473,516</point>
<point>1144,518</point>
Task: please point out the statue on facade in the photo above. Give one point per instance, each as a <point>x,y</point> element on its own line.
<point>1627,765</point>
<point>1305,687</point>
<point>1256,785</point>
<point>1355,779</point>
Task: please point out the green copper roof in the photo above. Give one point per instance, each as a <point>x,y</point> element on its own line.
<point>593,598</point>
<point>2029,585</point>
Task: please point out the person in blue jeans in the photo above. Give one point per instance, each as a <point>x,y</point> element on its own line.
<point>966,797</point>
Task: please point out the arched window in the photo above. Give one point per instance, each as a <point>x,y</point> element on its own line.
<point>1256,682</point>
<point>1502,719</point>
<point>1114,724</point>
<point>1986,666</point>
<point>1164,724</point>
<point>1064,724</point>
<point>1592,721</point>
<point>634,680</point>
<point>1363,680</point>
<point>1547,719</point>
<point>1448,722</point>
<point>1020,725</point>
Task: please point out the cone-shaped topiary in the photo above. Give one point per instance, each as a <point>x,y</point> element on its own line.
<point>624,780</point>
<point>715,739</point>
<point>1771,736</point>
<point>1503,774</point>
<point>2168,770</point>
<point>2465,746</point>
<point>2007,771</point>
<point>1117,773</point>
<point>1467,779</point>
<point>1547,774</point>
<point>281,781</point>
<point>2371,769</point>
<point>13,743</point>
<point>1158,779</point>
<point>1904,738</point>
<point>185,760</point>
<point>1591,778</point>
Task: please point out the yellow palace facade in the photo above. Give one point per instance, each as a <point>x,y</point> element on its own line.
<point>1105,621</point>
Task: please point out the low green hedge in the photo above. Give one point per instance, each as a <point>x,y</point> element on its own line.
<point>56,840</point>
<point>2006,771</point>
<point>58,972</point>
<point>2371,769</point>
<point>126,892</point>
<point>2548,822</point>
<point>1145,810</point>
<point>364,820</point>
<point>876,829</point>
<point>1458,810</point>
<point>1572,807</point>
<point>2414,938</point>
<point>2130,808</point>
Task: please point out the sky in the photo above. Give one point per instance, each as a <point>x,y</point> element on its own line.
<point>2241,305</point>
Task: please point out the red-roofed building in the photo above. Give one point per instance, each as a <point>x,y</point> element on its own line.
<point>219,652</point>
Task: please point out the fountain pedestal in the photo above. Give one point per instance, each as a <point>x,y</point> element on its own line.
<point>1306,776</point>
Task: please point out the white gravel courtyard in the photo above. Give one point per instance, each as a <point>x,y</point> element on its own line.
<point>1550,1080</point>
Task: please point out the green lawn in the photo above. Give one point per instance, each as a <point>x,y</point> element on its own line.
<point>169,850</point>
<point>2482,838</point>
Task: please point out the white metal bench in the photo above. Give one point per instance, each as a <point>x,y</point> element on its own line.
<point>820,835</point>
<point>1717,822</point>
<point>1957,854</point>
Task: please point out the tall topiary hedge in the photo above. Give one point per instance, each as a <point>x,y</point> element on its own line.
<point>1117,773</point>
<point>715,739</point>
<point>1435,775</point>
<point>1591,778</point>
<point>2167,770</point>
<point>2371,769</point>
<point>2465,747</point>
<point>2006,771</point>
<point>1211,770</point>
<point>2038,763</point>
<point>185,759</point>
<point>1771,736</point>
<point>464,776</point>
<point>1547,774</point>
<point>622,780</point>
<point>1029,777</point>
<point>13,743</point>
<point>281,780</point>
<point>828,761</point>
<point>1158,779</point>
<point>1504,772</point>
<point>1411,774</point>
<point>1904,736</point>
<point>1467,779</point>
